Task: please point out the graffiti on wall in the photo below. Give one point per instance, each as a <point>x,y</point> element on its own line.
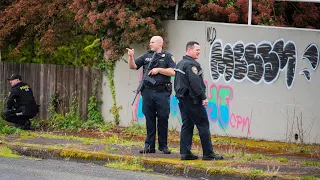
<point>218,109</point>
<point>211,34</point>
<point>261,62</point>
<point>258,63</point>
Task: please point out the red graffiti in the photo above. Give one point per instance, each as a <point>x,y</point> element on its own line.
<point>237,122</point>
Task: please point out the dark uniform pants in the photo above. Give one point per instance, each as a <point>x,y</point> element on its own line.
<point>11,116</point>
<point>156,105</point>
<point>194,114</point>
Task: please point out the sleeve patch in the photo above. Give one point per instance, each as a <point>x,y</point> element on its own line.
<point>194,70</point>
<point>173,59</point>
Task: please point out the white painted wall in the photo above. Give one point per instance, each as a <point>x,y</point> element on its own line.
<point>259,110</point>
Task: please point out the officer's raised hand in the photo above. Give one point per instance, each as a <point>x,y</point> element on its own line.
<point>131,63</point>
<point>130,51</point>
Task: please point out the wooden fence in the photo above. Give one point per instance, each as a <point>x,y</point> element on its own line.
<point>47,79</point>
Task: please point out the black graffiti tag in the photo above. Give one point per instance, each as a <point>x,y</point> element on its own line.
<point>211,34</point>
<point>306,74</point>
<point>222,61</point>
<point>257,63</point>
<point>240,64</point>
<point>312,55</point>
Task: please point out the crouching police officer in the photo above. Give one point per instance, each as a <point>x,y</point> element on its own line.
<point>190,91</point>
<point>156,92</point>
<point>21,106</point>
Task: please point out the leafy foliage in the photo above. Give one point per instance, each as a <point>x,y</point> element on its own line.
<point>301,15</point>
<point>136,128</point>
<point>9,130</point>
<point>95,118</point>
<point>264,12</point>
<point>5,4</point>
<point>70,120</point>
<point>35,29</point>
<point>25,21</point>
<point>41,31</point>
<point>122,22</point>
<point>82,52</point>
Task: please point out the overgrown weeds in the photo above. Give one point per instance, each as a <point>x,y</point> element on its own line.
<point>308,178</point>
<point>136,128</point>
<point>72,119</point>
<point>310,163</point>
<point>134,164</point>
<point>6,152</point>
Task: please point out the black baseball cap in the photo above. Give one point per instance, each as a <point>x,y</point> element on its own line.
<point>14,76</point>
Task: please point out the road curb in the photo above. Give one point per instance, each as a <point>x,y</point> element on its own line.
<point>175,169</point>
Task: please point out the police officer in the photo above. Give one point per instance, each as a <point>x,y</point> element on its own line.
<point>156,92</point>
<point>21,106</point>
<point>190,91</point>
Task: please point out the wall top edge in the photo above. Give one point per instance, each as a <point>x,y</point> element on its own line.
<point>246,26</point>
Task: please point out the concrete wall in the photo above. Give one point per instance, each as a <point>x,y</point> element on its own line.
<point>262,82</point>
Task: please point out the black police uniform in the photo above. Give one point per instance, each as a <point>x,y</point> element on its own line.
<point>21,105</point>
<point>190,91</point>
<point>156,99</point>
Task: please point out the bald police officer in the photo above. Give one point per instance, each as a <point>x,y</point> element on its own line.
<point>190,91</point>
<point>156,92</point>
<point>21,105</point>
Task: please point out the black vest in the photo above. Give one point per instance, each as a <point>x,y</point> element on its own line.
<point>161,61</point>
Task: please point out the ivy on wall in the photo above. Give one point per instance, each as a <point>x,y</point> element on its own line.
<point>107,68</point>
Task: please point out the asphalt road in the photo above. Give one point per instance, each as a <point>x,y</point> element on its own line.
<point>25,169</point>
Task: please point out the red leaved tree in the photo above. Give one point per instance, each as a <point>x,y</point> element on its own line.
<point>264,12</point>
<point>121,23</point>
<point>233,11</point>
<point>25,21</point>
<point>5,4</point>
<point>302,15</point>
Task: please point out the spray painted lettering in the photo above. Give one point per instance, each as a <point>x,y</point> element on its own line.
<point>218,109</point>
<point>259,62</point>
<point>211,34</point>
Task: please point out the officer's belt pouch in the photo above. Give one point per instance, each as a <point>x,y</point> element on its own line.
<point>160,87</point>
<point>169,87</point>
